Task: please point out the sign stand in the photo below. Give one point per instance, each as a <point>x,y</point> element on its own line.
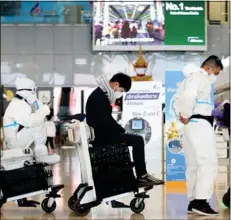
<point>142,115</point>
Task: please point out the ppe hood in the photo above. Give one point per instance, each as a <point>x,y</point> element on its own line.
<point>189,69</point>
<point>24,83</point>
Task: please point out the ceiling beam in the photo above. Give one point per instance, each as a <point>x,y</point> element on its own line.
<point>141,13</point>
<point>116,11</point>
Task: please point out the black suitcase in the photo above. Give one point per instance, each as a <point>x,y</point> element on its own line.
<point>25,180</point>
<point>112,170</point>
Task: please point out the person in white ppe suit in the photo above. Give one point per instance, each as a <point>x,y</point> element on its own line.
<point>193,107</point>
<point>24,122</point>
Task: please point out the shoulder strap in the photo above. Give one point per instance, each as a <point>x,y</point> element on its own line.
<point>21,98</point>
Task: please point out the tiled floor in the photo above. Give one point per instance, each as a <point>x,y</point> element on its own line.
<point>161,205</point>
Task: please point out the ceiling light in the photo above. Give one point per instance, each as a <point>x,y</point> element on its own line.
<point>225,61</point>
<point>81,61</point>
<point>5,67</point>
<point>19,65</point>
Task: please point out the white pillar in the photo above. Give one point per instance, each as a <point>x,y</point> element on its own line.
<point>152,11</point>
<point>159,11</point>
<point>106,15</point>
<point>98,9</point>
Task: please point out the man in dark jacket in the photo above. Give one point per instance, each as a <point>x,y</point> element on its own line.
<point>227,115</point>
<point>107,130</point>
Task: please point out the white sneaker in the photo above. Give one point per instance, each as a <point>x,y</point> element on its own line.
<point>49,159</point>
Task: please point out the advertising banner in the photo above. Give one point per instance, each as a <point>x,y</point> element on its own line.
<point>45,12</point>
<point>178,16</point>
<point>175,162</point>
<point>142,115</point>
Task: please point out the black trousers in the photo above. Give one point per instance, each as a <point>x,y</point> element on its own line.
<point>138,150</point>
<point>50,141</point>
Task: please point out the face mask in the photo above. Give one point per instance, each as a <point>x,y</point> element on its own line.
<point>212,78</point>
<point>32,98</point>
<point>140,71</point>
<point>35,105</point>
<point>118,94</point>
<point>29,96</point>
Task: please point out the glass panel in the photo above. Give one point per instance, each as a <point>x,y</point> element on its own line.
<point>45,70</point>
<point>8,40</point>
<point>8,70</point>
<point>214,11</point>
<point>63,74</point>
<point>25,40</point>
<point>218,12</point>
<point>25,65</point>
<point>225,12</point>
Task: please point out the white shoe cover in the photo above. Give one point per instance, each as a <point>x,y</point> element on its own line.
<point>42,156</point>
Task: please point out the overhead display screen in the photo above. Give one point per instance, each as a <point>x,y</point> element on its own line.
<point>156,25</point>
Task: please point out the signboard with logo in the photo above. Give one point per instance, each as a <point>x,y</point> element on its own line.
<point>142,115</point>
<point>175,162</point>
<point>47,12</point>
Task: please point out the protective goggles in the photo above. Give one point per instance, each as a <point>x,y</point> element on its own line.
<point>34,90</point>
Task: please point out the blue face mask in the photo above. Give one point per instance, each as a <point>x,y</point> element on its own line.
<point>35,105</point>
<point>212,78</point>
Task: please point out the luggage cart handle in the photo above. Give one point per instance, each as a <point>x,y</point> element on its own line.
<point>78,117</point>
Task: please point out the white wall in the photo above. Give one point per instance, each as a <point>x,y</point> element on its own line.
<point>61,55</point>
<point>223,81</point>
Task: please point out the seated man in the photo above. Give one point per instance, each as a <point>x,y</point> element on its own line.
<point>107,130</point>
<point>24,122</point>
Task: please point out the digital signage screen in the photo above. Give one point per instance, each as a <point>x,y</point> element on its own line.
<point>137,125</point>
<point>156,25</point>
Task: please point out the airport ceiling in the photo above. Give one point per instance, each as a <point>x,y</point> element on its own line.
<point>129,12</point>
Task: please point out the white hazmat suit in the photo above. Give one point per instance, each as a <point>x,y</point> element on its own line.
<point>23,125</point>
<point>193,97</point>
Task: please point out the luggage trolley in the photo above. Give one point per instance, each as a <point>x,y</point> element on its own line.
<point>226,137</point>
<point>223,137</point>
<point>21,177</point>
<point>107,176</point>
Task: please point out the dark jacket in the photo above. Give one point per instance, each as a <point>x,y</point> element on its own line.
<point>99,117</point>
<point>227,115</point>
